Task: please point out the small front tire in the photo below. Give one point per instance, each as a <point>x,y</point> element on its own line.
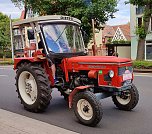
<point>127,100</point>
<point>87,108</point>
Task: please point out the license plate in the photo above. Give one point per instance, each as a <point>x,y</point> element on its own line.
<point>127,76</point>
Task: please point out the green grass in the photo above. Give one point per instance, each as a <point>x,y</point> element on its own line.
<point>6,62</point>
<point>142,64</point>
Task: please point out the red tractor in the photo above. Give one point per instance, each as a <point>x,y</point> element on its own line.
<point>82,80</point>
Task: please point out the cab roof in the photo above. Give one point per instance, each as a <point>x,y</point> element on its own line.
<point>49,18</point>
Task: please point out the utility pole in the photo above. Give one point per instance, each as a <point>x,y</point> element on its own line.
<point>94,38</point>
<point>89,3</point>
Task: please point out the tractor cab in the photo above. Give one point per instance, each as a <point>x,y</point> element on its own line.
<point>58,36</point>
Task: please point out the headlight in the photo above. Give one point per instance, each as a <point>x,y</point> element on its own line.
<point>111,73</point>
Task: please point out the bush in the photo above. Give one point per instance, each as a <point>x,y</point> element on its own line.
<point>142,64</point>
<point>8,54</point>
<point>1,55</point>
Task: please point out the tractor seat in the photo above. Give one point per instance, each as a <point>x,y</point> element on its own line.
<point>59,56</point>
<point>65,55</point>
<point>29,50</point>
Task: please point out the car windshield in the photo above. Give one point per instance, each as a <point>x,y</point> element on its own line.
<point>63,38</point>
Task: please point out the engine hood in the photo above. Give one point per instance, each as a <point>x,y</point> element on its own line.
<point>97,59</point>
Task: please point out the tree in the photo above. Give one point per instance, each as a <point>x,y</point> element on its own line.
<point>4,33</point>
<point>142,30</point>
<point>100,10</point>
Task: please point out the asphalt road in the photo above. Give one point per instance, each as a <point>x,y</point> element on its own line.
<point>137,121</point>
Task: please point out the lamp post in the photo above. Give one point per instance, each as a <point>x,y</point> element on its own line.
<point>11,34</point>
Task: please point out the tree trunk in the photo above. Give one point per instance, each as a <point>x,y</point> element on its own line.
<point>25,8</point>
<point>141,50</point>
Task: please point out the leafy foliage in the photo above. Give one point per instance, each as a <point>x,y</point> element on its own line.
<point>140,31</point>
<point>100,10</point>
<point>119,42</point>
<point>142,64</point>
<point>4,33</point>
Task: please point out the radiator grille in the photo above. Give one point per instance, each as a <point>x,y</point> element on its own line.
<point>121,70</point>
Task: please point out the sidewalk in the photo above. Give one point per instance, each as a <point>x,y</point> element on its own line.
<point>11,123</point>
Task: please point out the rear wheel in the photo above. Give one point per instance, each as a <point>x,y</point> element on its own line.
<point>33,87</point>
<point>127,100</point>
<point>87,108</point>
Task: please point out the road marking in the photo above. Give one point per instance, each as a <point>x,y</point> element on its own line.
<point>6,68</point>
<point>3,75</point>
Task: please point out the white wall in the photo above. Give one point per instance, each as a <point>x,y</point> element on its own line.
<point>134,40</point>
<point>124,51</point>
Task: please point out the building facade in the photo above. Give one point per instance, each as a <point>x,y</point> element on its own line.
<point>106,37</point>
<point>136,19</point>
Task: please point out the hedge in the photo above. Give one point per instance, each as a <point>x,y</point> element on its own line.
<point>142,64</point>
<point>8,54</point>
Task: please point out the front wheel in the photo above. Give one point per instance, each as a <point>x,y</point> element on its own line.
<point>87,108</point>
<point>127,100</point>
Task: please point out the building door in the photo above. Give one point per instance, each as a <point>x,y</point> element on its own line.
<point>110,50</point>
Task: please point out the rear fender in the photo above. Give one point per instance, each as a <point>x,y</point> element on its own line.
<point>18,61</point>
<point>44,62</point>
<point>77,89</point>
<point>38,56</point>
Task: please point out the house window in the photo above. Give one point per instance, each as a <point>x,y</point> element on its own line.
<point>151,24</point>
<point>139,22</point>
<point>139,10</point>
<point>148,55</point>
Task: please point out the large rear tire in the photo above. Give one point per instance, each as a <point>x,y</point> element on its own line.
<point>33,87</point>
<point>127,100</point>
<point>87,108</point>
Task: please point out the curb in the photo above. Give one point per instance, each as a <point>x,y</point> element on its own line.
<point>142,70</point>
<point>12,123</point>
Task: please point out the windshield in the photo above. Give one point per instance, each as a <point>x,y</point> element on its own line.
<point>63,38</point>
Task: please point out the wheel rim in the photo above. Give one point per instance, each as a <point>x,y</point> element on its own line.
<point>124,98</point>
<point>85,109</point>
<point>27,87</point>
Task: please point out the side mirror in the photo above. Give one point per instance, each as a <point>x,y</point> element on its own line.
<point>30,34</point>
<point>86,51</point>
